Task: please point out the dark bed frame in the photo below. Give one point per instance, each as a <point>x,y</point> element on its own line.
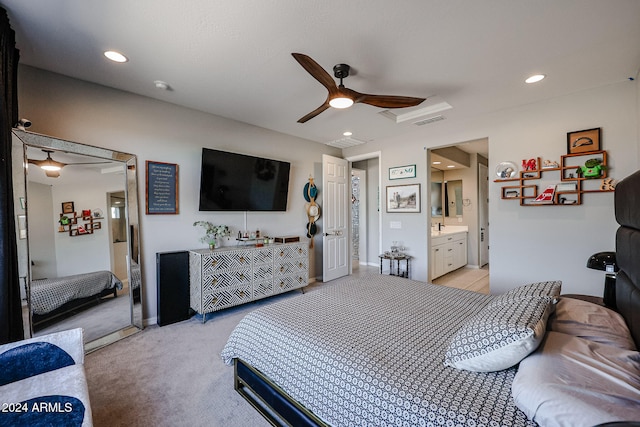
<point>282,410</point>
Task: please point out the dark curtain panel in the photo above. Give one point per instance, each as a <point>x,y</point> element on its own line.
<point>10,306</point>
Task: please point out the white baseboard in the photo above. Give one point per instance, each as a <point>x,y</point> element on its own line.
<point>150,321</point>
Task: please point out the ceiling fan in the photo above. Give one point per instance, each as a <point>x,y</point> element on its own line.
<point>52,167</point>
<point>343,97</point>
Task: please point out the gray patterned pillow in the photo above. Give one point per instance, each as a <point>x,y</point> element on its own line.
<point>500,335</point>
<point>538,289</point>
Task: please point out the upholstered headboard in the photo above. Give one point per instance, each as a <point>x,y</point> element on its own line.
<point>627,208</point>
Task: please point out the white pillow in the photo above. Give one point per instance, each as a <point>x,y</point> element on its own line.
<point>500,335</point>
<point>592,322</point>
<point>572,381</point>
<point>537,289</point>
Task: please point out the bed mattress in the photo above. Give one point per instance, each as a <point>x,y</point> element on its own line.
<point>384,363</point>
<point>49,294</point>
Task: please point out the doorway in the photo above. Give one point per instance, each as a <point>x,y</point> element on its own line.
<point>358,217</point>
<point>366,222</point>
<point>466,164</point>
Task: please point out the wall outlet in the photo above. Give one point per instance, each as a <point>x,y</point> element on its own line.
<point>395,224</point>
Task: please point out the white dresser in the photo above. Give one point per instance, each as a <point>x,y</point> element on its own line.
<point>236,275</point>
<point>448,253</point>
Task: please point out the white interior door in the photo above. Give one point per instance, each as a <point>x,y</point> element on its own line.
<point>483,212</point>
<point>336,187</point>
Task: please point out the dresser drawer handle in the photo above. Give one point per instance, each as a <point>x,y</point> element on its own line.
<point>241,294</point>
<point>214,281</point>
<point>214,262</point>
<point>281,269</point>
<point>215,300</point>
<point>241,276</point>
<point>281,253</point>
<point>242,259</point>
<point>300,250</point>
<point>300,265</point>
<point>281,284</point>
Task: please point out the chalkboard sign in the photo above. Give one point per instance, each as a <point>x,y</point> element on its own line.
<point>162,188</point>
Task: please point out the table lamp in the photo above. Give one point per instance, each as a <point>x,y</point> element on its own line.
<point>606,261</point>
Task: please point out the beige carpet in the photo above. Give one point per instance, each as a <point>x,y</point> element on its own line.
<point>170,376</point>
<point>173,376</point>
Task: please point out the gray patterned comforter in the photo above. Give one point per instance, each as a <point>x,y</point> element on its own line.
<point>371,352</point>
<point>49,294</point>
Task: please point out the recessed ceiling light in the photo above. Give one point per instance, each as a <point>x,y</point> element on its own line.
<point>535,78</point>
<point>347,133</point>
<point>451,166</point>
<point>115,56</point>
<point>161,85</point>
<point>437,163</point>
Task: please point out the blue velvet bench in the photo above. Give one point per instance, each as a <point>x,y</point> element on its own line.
<point>43,383</point>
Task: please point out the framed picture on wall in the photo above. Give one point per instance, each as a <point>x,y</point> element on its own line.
<point>67,207</point>
<point>403,198</point>
<point>583,141</point>
<point>401,172</point>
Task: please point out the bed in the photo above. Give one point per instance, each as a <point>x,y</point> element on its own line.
<point>384,350</point>
<point>52,297</point>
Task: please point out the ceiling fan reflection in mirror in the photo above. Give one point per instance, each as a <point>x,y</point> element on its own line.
<point>342,97</point>
<point>52,167</point>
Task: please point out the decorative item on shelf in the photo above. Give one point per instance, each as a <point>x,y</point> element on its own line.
<point>593,168</point>
<point>583,141</point>
<point>97,213</point>
<point>529,165</point>
<point>212,232</point>
<point>67,207</point>
<point>548,164</point>
<point>506,170</point>
<point>547,195</point>
<point>608,184</point>
<point>310,194</point>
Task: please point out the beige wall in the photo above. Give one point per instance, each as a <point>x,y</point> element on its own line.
<point>528,243</point>
<point>153,130</point>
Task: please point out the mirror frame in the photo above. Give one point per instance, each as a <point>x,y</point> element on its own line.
<point>131,193</point>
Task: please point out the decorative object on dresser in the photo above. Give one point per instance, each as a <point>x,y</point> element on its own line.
<point>212,233</point>
<point>229,276</point>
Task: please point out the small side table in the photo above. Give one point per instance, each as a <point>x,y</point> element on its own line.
<point>395,260</point>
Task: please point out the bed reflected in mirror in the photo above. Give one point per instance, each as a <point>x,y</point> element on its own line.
<point>80,260</point>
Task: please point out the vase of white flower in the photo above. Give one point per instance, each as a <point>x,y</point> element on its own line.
<point>212,232</point>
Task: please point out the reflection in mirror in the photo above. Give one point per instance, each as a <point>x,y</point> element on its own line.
<point>437,177</point>
<point>453,198</point>
<point>77,263</point>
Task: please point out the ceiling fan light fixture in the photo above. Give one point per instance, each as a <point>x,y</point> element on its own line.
<point>341,102</point>
<point>50,167</point>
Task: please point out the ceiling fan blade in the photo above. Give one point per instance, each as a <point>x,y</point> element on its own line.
<point>317,72</point>
<point>314,113</point>
<point>383,101</point>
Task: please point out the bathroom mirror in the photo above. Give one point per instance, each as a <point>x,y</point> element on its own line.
<point>453,199</point>
<point>79,255</point>
<point>437,179</point>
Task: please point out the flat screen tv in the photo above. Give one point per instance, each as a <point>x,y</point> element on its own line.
<point>237,182</point>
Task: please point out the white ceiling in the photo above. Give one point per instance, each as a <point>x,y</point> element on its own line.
<point>233,58</point>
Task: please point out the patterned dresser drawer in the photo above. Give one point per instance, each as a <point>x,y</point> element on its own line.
<point>227,277</point>
<point>227,298</point>
<point>287,283</point>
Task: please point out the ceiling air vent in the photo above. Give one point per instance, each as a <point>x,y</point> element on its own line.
<point>345,142</point>
<point>429,120</point>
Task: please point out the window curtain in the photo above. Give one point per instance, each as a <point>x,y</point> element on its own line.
<point>10,305</point>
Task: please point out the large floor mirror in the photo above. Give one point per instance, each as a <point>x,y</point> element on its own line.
<point>77,220</point>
